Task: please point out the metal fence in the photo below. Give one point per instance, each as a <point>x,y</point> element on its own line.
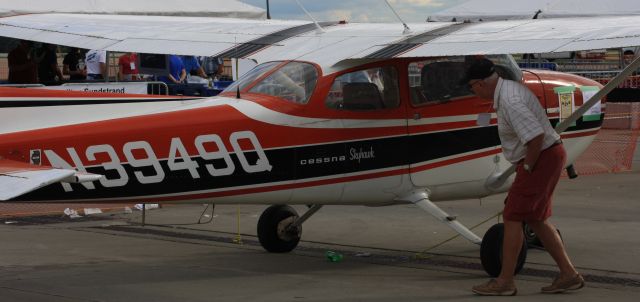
<point>153,87</point>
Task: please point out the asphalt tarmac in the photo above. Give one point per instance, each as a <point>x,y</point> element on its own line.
<point>390,253</point>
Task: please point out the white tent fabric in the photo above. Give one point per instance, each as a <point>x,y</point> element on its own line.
<point>194,8</point>
<point>487,10</point>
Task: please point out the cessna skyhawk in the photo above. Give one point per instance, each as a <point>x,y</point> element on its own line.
<point>335,113</point>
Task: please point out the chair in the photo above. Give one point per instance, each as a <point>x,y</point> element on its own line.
<point>361,96</point>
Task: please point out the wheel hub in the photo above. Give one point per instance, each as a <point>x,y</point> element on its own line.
<point>286,230</point>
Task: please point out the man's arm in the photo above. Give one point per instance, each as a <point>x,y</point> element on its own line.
<point>58,72</point>
<point>103,69</point>
<point>183,75</point>
<point>201,73</point>
<point>534,148</point>
<point>173,79</point>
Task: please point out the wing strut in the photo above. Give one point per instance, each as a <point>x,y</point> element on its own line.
<point>496,181</point>
<point>320,30</point>
<point>421,199</point>
<point>406,30</point>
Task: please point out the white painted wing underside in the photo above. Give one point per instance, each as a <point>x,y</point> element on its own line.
<point>213,36</point>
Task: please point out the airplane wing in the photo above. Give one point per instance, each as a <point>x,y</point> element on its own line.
<point>266,40</point>
<point>18,178</point>
<point>144,34</point>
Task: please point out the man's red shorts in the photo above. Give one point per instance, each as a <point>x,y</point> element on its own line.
<point>529,198</point>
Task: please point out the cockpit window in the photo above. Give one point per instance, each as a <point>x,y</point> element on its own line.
<point>370,89</point>
<point>294,82</point>
<point>437,80</point>
<point>251,76</point>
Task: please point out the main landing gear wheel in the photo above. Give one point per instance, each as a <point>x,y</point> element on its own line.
<point>491,251</point>
<point>274,229</point>
<point>532,239</point>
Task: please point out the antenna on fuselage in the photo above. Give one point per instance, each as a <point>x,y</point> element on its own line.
<point>310,17</point>
<point>268,13</point>
<point>406,30</point>
<point>537,13</point>
<point>237,73</point>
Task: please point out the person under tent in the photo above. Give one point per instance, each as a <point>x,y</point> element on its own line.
<point>22,67</point>
<point>213,66</point>
<point>127,68</point>
<point>48,71</point>
<point>96,63</point>
<point>195,72</point>
<point>71,65</point>
<point>177,72</point>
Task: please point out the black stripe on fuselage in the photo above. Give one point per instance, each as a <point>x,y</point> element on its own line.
<point>405,45</point>
<point>80,102</point>
<point>296,163</point>
<point>247,48</point>
<point>288,164</point>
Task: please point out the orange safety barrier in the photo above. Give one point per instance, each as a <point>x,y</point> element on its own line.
<point>611,152</point>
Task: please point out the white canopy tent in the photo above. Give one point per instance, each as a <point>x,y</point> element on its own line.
<point>487,10</point>
<point>196,8</point>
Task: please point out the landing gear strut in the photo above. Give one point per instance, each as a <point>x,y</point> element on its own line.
<point>491,251</point>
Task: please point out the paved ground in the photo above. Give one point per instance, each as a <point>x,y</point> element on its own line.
<point>110,258</point>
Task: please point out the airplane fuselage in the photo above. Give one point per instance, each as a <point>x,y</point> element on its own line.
<point>265,149</point>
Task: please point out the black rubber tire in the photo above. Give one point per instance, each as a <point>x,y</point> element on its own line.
<point>491,251</point>
<point>268,229</point>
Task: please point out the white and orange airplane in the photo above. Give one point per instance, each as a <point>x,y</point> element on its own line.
<point>334,114</point>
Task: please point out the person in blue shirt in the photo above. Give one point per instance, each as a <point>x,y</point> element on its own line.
<point>177,72</point>
<point>195,73</point>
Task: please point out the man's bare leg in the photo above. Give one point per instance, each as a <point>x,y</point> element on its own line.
<point>511,245</point>
<point>553,244</point>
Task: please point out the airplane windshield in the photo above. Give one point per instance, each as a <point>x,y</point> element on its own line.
<point>293,82</point>
<point>251,76</point>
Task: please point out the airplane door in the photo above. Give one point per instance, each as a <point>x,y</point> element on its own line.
<point>447,148</point>
<point>366,156</point>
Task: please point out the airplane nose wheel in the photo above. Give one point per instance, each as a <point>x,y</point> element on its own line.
<point>275,230</point>
<point>491,251</point>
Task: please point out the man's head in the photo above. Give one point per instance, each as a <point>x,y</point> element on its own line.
<point>481,78</point>
<point>628,56</point>
<point>25,44</point>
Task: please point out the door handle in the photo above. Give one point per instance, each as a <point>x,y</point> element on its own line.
<point>417,116</point>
